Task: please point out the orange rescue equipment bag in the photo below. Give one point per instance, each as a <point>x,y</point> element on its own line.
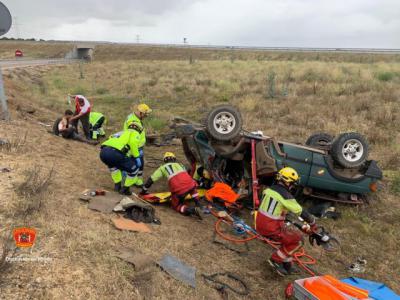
<point>222,191</point>
<point>347,288</point>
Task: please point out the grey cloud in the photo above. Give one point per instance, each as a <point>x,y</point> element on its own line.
<point>319,23</point>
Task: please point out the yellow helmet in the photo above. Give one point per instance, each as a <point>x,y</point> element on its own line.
<point>288,175</point>
<point>169,155</point>
<point>144,108</point>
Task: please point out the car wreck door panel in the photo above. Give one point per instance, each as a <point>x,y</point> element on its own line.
<point>321,177</point>
<point>296,158</point>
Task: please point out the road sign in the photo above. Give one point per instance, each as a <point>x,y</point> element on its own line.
<point>5,19</point>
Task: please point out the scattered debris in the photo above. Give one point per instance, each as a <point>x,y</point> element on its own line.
<point>124,203</point>
<point>139,260</point>
<point>104,204</point>
<point>179,270</point>
<point>5,170</point>
<point>358,266</point>
<point>162,139</point>
<point>44,124</point>
<point>219,282</point>
<point>324,210</point>
<point>125,224</point>
<point>137,210</point>
<point>4,142</point>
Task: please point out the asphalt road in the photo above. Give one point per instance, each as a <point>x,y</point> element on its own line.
<point>22,63</point>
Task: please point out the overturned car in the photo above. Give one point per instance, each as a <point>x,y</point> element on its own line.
<point>333,169</point>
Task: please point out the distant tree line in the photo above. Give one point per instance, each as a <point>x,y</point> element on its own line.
<point>20,39</point>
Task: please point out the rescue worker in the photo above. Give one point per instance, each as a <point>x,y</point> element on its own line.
<point>137,116</point>
<point>277,201</point>
<point>121,153</point>
<point>180,185</point>
<point>202,177</point>
<point>82,111</point>
<point>96,120</point>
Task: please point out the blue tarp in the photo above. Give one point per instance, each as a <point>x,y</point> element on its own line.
<point>377,290</point>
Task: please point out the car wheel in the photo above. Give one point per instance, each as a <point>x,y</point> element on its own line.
<point>320,139</point>
<point>224,122</point>
<point>55,126</point>
<point>350,150</point>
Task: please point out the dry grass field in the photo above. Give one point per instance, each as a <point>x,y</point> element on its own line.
<point>289,98</point>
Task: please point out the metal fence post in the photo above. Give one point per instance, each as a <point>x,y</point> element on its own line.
<point>4,113</point>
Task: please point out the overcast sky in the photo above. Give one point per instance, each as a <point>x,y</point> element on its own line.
<point>307,23</point>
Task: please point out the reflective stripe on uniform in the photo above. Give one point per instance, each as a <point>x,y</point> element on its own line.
<point>271,206</point>
<point>174,174</point>
<point>271,216</point>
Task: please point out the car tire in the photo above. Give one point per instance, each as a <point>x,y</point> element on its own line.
<point>224,123</point>
<point>350,150</point>
<point>320,139</point>
<point>55,126</point>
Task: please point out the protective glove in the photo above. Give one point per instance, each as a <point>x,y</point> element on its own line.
<point>309,229</point>
<point>138,162</point>
<point>141,153</point>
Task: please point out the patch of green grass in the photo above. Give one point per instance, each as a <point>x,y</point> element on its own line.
<point>79,90</point>
<point>59,83</point>
<point>155,124</point>
<point>395,186</point>
<point>102,91</point>
<point>385,76</point>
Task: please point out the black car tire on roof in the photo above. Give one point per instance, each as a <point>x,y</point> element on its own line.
<point>224,122</point>
<point>320,139</point>
<point>350,150</point>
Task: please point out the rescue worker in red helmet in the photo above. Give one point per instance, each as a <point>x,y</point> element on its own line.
<point>277,201</point>
<point>180,185</point>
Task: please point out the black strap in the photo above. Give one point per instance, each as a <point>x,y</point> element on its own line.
<point>220,286</point>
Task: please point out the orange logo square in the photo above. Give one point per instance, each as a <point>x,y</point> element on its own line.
<point>24,237</point>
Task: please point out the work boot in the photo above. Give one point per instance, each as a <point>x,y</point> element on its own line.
<point>125,191</point>
<point>291,268</point>
<point>279,268</point>
<point>194,211</point>
<point>117,187</point>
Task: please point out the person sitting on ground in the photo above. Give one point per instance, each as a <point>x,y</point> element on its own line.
<point>96,120</point>
<point>180,185</point>
<point>121,153</point>
<point>63,127</point>
<point>270,221</point>
<point>82,111</point>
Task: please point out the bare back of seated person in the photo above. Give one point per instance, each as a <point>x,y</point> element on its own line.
<point>68,131</point>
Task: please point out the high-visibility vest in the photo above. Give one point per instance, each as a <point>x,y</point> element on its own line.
<point>168,170</point>
<point>277,201</point>
<point>132,118</point>
<point>94,117</point>
<point>125,141</point>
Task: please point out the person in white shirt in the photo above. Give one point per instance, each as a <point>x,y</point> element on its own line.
<point>82,112</point>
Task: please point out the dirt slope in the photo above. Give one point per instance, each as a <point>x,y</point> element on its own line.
<point>81,243</point>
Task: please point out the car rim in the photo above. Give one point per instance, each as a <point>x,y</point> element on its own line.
<point>352,150</point>
<point>224,122</point>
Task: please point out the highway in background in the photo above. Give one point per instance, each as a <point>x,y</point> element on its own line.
<point>22,63</point>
